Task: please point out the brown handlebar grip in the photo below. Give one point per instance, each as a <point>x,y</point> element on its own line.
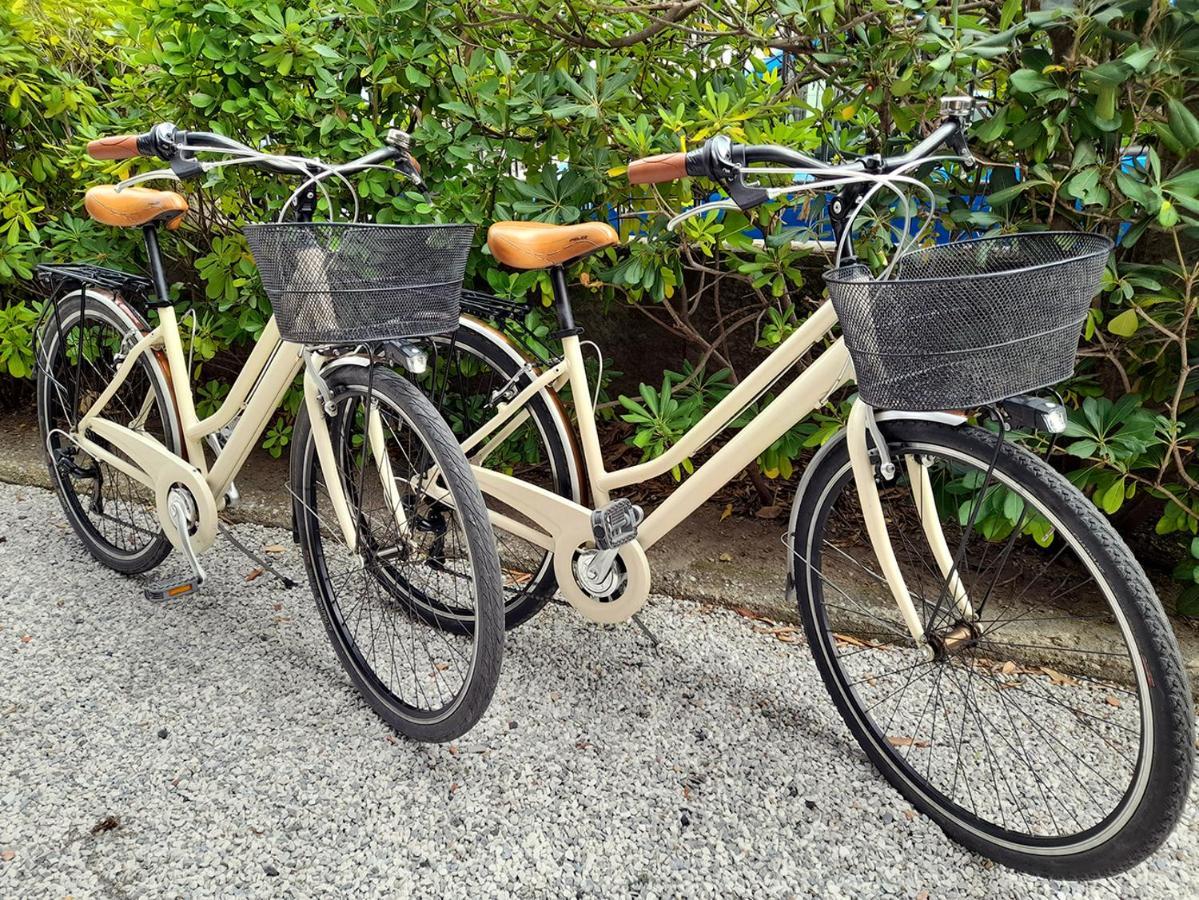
<point>655,169</point>
<point>412,161</point>
<point>122,146</point>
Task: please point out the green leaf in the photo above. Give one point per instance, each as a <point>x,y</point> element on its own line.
<point>1029,81</point>
<point>1137,191</point>
<point>1183,124</point>
<point>1112,498</point>
<point>1110,74</point>
<point>1188,601</point>
<point>1083,449</point>
<point>1139,59</point>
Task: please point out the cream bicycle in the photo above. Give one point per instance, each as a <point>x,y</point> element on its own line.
<point>385,509</point>
<point>1063,752</point>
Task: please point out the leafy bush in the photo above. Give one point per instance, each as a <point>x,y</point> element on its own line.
<point>530,110</point>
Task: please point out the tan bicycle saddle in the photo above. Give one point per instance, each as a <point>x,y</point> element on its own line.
<point>134,206</point>
<point>538,245</point>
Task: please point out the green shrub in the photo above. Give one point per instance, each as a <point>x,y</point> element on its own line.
<point>525,109</point>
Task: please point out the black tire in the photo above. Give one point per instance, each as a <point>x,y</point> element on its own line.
<point>1145,812</point>
<point>117,520</point>
<point>392,588</point>
<point>528,571</point>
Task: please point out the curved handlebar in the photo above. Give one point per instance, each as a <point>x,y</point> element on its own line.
<point>172,144</point>
<point>721,160</point>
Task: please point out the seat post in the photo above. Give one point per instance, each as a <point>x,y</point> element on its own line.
<point>156,270</point>
<point>566,319</point>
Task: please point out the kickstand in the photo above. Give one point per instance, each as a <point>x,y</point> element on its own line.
<point>288,583</point>
<point>653,638</point>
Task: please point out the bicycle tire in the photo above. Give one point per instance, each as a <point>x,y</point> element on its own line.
<point>528,572</point>
<point>1150,807</point>
<point>396,702</point>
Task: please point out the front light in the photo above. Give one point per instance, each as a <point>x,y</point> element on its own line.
<point>1054,420</point>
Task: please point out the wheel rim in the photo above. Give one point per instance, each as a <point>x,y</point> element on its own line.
<point>118,512</point>
<point>377,599</point>
<point>1002,698</point>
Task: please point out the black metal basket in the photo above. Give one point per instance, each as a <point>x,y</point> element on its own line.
<point>969,323</point>
<point>333,283</point>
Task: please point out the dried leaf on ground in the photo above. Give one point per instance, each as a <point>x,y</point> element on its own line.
<point>515,578</point>
<point>899,740</point>
<point>849,639</point>
<point>274,548</point>
<point>746,612</point>
<point>108,823</point>
<point>1058,678</point>
<point>769,512</point>
<point>254,573</point>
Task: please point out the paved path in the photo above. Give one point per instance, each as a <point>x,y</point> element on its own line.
<point>223,737</point>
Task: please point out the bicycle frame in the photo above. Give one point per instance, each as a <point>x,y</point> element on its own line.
<point>252,399</point>
<point>564,527</point>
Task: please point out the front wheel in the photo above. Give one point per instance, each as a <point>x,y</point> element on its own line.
<point>421,541</point>
<point>1052,729</point>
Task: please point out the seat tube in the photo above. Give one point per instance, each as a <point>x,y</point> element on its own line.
<point>566,317</point>
<point>157,273</point>
<point>580,391</point>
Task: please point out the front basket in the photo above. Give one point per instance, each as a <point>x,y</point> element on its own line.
<point>332,283</point>
<point>969,323</point>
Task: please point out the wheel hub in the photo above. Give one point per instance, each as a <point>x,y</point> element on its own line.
<point>953,640</point>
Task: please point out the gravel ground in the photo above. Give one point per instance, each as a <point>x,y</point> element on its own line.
<point>215,747</point>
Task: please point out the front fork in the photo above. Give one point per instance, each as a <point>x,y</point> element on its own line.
<point>318,401</point>
<point>861,424</point>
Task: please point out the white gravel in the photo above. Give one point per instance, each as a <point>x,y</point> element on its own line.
<point>222,735</point>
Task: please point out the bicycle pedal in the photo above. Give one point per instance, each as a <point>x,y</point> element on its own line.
<point>615,523</point>
<point>172,589</point>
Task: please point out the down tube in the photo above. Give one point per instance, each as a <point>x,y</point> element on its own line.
<point>831,370</point>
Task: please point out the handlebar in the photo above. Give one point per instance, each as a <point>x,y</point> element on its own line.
<point>177,147</point>
<point>122,146</point>
<point>719,159</point>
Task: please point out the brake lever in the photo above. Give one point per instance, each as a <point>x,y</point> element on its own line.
<point>726,172</point>
<point>186,167</point>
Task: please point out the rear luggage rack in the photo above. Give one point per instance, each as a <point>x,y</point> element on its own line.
<point>509,317</point>
<point>492,308</point>
<point>55,278</point>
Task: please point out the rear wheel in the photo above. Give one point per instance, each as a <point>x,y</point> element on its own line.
<point>1053,730</point>
<point>422,545</point>
<point>80,347</point>
<point>472,372</point>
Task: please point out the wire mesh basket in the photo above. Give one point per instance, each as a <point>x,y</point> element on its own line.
<point>335,283</point>
<point>969,323</point>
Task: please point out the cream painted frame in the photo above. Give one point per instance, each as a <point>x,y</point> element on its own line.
<point>563,527</point>
<point>254,396</point>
